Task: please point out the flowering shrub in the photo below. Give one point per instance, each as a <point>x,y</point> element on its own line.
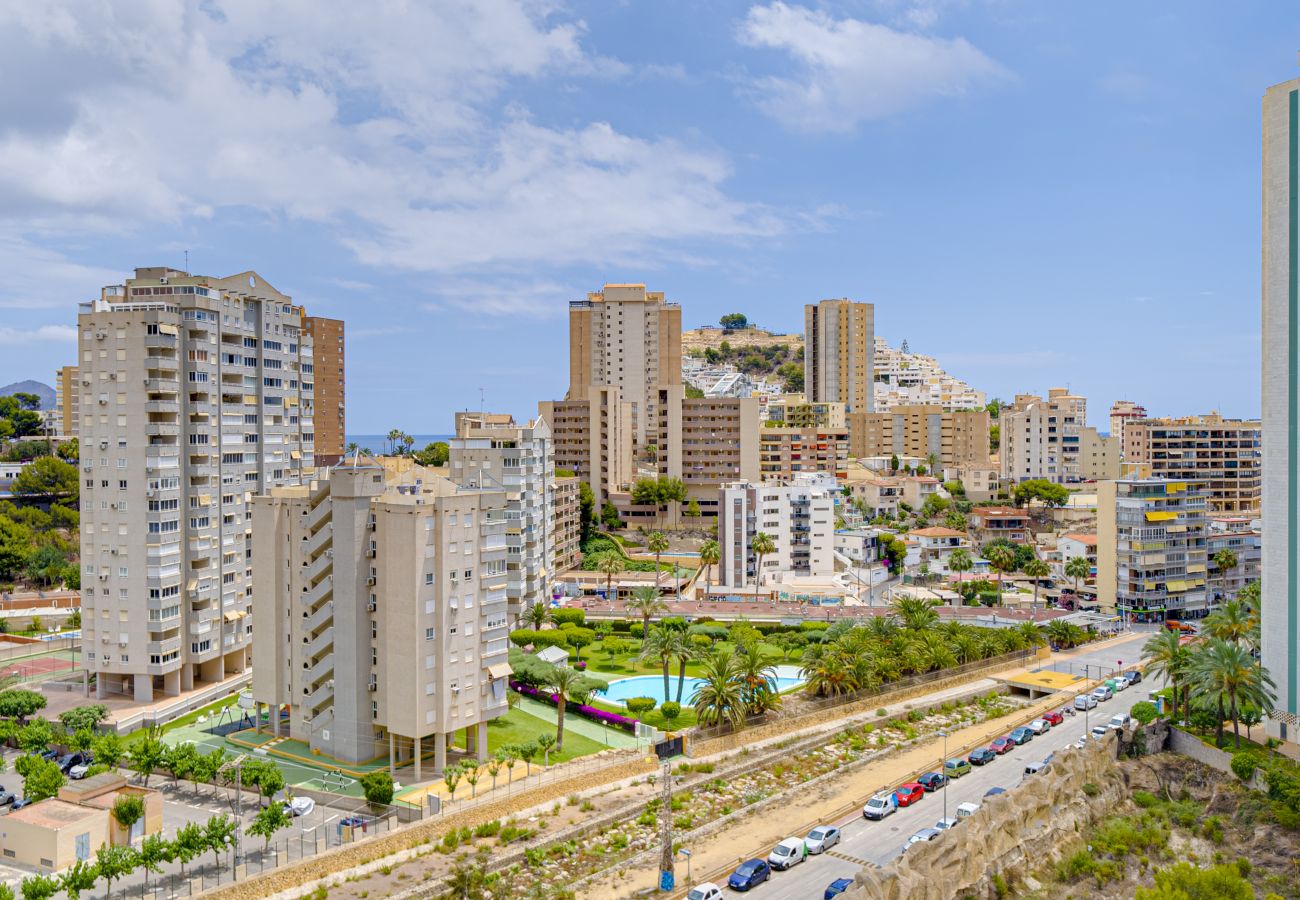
<point>582,709</point>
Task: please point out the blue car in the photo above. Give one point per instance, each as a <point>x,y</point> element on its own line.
<point>837,887</point>
<point>750,873</point>
<point>1021,735</point>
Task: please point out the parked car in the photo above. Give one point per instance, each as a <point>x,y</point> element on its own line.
<point>981,756</point>
<point>7,798</point>
<point>1039,726</point>
<point>1102,693</point>
<point>19,804</point>
<point>790,852</point>
<point>1134,677</point>
<point>1002,745</point>
<point>1081,742</point>
<point>1119,683</point>
<point>966,810</point>
<point>706,891</point>
<point>49,755</point>
<point>1119,721</point>
<point>1021,735</point>
<point>907,794</point>
<point>879,806</point>
<point>837,887</point>
<point>925,834</point>
<point>1100,731</point>
<point>750,873</point>
<point>932,781</point>
<point>78,772</point>
<point>822,838</point>
<point>1053,718</point>
<point>1085,701</point>
<point>956,768</point>
<point>67,761</point>
<point>945,824</point>
<point>1036,767</point>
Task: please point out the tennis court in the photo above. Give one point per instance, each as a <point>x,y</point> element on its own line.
<point>27,668</point>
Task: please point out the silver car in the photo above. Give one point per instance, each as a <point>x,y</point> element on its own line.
<point>822,838</point>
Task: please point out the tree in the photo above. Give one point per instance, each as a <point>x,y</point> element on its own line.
<point>528,752</point>
<point>149,754</point>
<point>579,638</point>
<point>154,851</point>
<point>893,463</point>
<point>108,749</point>
<point>960,562</point>
<point>609,516</point>
<point>1077,567</point>
<point>1225,674</point>
<point>267,822</point>
<point>1225,561</point>
<point>1230,622</point>
<point>560,682</point>
<point>611,564</point>
<point>219,835</point>
<point>660,645</point>
<point>793,375</point>
<point>78,877</point>
<point>1040,489</point>
<point>1167,658</point>
<point>586,512</point>
<point>656,543</point>
<point>536,616</point>
<point>546,742</point>
<point>1144,711</point>
<point>916,614</point>
<point>113,863</point>
<point>207,766</point>
<point>45,565</point>
<point>190,841</point>
<point>693,509</point>
<point>17,703</point>
<point>1002,559</point>
<point>1185,881</point>
<point>710,555</point>
<point>720,699</point>
<point>69,451</point>
<point>180,760</point>
<point>646,603</point>
<point>734,321</point>
<point>127,810</point>
<point>760,545</point>
<point>35,736</point>
<point>39,887</point>
<point>41,777</point>
<point>758,680</point>
<point>434,454</point>
<point>47,476</point>
<point>1036,569</point>
<point>377,787</point>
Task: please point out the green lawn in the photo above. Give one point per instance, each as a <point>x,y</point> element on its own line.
<point>518,727</point>
<point>188,719</point>
<point>628,664</point>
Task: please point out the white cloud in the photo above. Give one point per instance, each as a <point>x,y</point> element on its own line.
<point>390,123</point>
<point>38,278</point>
<point>62,333</point>
<point>851,71</point>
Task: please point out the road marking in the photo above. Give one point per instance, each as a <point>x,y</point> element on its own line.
<point>844,856</point>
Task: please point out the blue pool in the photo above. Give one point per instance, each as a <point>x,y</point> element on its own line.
<point>653,685</point>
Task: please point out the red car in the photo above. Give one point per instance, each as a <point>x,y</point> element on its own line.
<point>909,793</point>
<point>1002,745</point>
<point>1053,718</point>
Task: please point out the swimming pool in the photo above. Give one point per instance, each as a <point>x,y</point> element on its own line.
<point>653,686</point>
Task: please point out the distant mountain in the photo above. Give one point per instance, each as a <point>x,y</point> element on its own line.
<point>44,391</point>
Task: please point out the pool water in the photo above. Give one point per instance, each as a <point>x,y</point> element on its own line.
<point>653,686</point>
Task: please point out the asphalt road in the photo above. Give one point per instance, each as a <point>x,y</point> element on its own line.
<point>865,841</point>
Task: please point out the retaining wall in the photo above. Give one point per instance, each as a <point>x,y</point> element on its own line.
<point>1220,760</point>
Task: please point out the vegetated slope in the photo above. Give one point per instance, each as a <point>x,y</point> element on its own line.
<point>44,391</point>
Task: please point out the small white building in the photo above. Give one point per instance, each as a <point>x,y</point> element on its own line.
<point>936,545</point>
<point>556,656</point>
<point>798,517</point>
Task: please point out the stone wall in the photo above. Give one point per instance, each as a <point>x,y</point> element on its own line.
<point>1220,760</point>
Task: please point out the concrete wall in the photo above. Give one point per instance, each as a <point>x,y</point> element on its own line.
<point>1184,744</point>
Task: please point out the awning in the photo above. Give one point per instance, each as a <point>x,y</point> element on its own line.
<point>193,585</point>
<point>1175,487</point>
<point>232,615</point>
<point>1196,568</point>
<point>250,398</point>
<point>205,499</point>
<point>1161,516</point>
<point>499,670</point>
<point>166,328</point>
<point>294,454</point>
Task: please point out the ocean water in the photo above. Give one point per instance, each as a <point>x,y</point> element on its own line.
<point>379,442</point>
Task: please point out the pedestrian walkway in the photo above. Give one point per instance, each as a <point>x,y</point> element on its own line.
<point>601,734</point>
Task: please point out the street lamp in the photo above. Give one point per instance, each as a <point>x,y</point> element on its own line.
<point>942,764</point>
<point>687,853</point>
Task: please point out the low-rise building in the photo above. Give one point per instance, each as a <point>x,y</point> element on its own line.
<point>979,481</point>
<point>919,488</point>
<point>795,411</point>
<point>860,544</point>
<point>1099,455</point>
<point>877,496</point>
<point>988,523</point>
<point>935,546</point>
<point>784,453</point>
<point>798,517</point>
<point>1069,546</point>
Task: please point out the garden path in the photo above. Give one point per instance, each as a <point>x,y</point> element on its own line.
<point>611,737</point>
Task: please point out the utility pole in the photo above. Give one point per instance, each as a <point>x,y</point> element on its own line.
<point>666,880</point>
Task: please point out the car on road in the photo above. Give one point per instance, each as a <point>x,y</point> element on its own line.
<point>749,874</point>
<point>78,772</point>
<point>981,756</point>
<point>298,806</point>
<point>1134,677</point>
<point>925,834</point>
<point>907,794</point>
<point>966,810</point>
<point>706,891</point>
<point>790,852</point>
<point>1035,768</point>
<point>1021,735</point>
<point>1039,726</point>
<point>945,824</point>
<point>1118,722</point>
<point>822,838</point>
<point>1081,742</point>
<point>1102,693</point>
<point>1002,745</point>
<point>1085,701</point>
<point>68,760</point>
<point>7,798</point>
<point>994,791</point>
<point>879,806</point>
<point>837,887</point>
<point>932,781</point>
<point>1100,731</point>
<point>1053,718</point>
<point>49,755</point>
<point>19,804</point>
<point>956,768</point>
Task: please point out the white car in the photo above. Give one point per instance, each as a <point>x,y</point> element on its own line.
<point>299,806</point>
<point>1081,742</point>
<point>880,806</point>
<point>1121,683</point>
<point>1102,693</point>
<point>1085,701</point>
<point>706,891</point>
<point>1118,722</point>
<point>945,824</point>
<point>790,852</point>
<point>1100,731</point>
<point>1039,726</point>
<point>822,838</point>
<point>1036,767</point>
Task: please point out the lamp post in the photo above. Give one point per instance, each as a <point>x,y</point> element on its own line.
<point>687,853</point>
<point>944,774</point>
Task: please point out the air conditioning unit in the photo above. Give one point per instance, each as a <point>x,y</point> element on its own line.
<point>101,335</point>
<point>371,607</point>
<point>373,686</point>
<point>370,553</point>
<point>112,376</point>
<point>150,493</point>
<point>371,581</point>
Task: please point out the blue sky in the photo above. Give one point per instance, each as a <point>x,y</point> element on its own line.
<point>1037,193</point>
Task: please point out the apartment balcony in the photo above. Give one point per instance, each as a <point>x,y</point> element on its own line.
<point>322,696</point>
<point>322,668</point>
<point>313,544</point>
<point>156,385</point>
<point>315,619</point>
<point>200,628</point>
<point>162,429</point>
<point>318,566</point>
<point>316,515</point>
<point>163,407</point>
<point>320,643</point>
<point>322,589</point>
<point>161,648</point>
<point>171,623</point>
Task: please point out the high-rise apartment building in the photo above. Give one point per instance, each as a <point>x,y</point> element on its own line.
<point>626,337</point>
<point>331,395</point>
<point>566,534</point>
<point>1098,455</point>
<point>382,611</point>
<point>592,438</point>
<point>1122,411</point>
<point>953,438</point>
<point>794,411</point>
<point>1040,438</point>
<point>493,452</point>
<point>706,442</point>
<point>784,453</point>
<point>67,400</point>
<point>1224,454</point>
<point>799,517</point>
<point>1280,559</point>
<point>1151,549</point>
<point>195,394</point>
<point>838,353</point>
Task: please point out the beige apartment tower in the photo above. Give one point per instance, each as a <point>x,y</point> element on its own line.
<point>706,442</point>
<point>1224,454</point>
<point>195,394</point>
<point>954,438</point>
<point>67,400</point>
<point>383,612</point>
<point>838,353</point>
<point>1041,438</point>
<point>592,438</point>
<point>626,337</point>
<point>331,396</point>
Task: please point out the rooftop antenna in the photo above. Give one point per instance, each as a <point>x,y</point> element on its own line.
<point>482,408</point>
<point>187,262</point>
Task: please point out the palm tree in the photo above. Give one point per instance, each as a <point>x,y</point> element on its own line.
<point>829,675</point>
<point>611,564</point>
<point>536,616</point>
<point>758,678</point>
<point>960,562</point>
<point>1035,568</point>
<point>1077,567</point>
<point>559,681</point>
<point>1231,622</point>
<point>720,696</point>
<point>1002,559</point>
<point>1225,561</point>
<point>1168,658</point>
<point>710,555</point>
<point>761,545</point>
<point>1032,634</point>
<point>646,603</point>
<point>394,435</point>
<point>660,645</point>
<point>1226,674</point>
<point>916,614</point>
<point>686,651</point>
<point>935,651</point>
<point>932,463</point>
<point>656,543</point>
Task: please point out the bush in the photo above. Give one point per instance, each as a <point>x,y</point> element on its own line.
<point>562,617</point>
<point>670,711</point>
<point>1245,763</point>
<point>637,630</point>
<point>378,787</point>
<point>1145,712</point>
<point>639,705</point>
